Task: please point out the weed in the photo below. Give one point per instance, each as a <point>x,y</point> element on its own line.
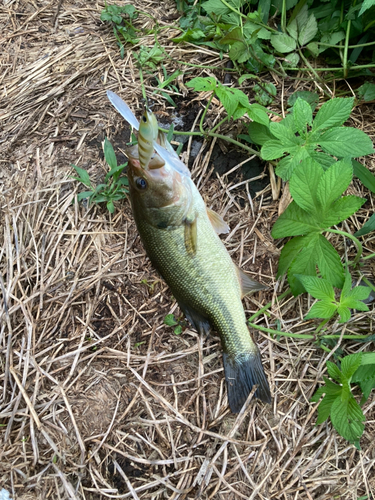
<point>179,324</point>
<point>114,188</point>
<point>121,18</point>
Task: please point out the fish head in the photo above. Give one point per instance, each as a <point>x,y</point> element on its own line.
<point>159,194</point>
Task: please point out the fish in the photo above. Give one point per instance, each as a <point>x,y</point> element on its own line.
<point>181,238</point>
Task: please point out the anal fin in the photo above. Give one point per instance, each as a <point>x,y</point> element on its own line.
<point>247,284</point>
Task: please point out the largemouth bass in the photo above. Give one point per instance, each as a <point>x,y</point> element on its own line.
<point>180,235</point>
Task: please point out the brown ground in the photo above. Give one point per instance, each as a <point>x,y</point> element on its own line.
<point>98,398</point>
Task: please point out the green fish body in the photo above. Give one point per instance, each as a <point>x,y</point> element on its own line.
<point>179,236</point>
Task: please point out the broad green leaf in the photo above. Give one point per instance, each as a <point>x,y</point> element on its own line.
<point>292,29</point>
<point>239,51</point>
<point>334,371</point>
<point>347,284</point>
<point>291,60</point>
<point>313,47</point>
<point>350,364</point>
<point>342,209</point>
<point>259,134</point>
<point>368,358</point>
<point>273,149</point>
<point>347,418</point>
<point>286,166</point>
<point>283,43</point>
<point>239,112</point>
<point>359,292</point>
<point>334,182</point>
<point>354,304</point>
<point>289,253</point>
<point>333,113</point>
<point>83,176</point>
<point>364,175</point>
<point>344,313</point>
<point>216,7</point>
<point>321,309</point>
<point>284,134</point>
<point>304,183</point>
<point>308,31</point>
<point>110,207</point>
<point>84,194</point>
<point>365,377</point>
<point>311,97</point>
<point>367,227</point>
<point>235,35</point>
<point>201,84</point>
<point>304,263</point>
<point>258,114</point>
<point>324,408</point>
<point>345,142</point>
<point>367,4</point>
<point>330,387</point>
<point>170,320</point>
<point>323,159</point>
<point>366,92</point>
<point>302,115</point>
<point>319,288</point>
<point>294,222</point>
<point>227,99</point>
<point>329,262</point>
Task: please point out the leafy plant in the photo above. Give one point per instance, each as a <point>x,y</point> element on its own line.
<point>265,93</point>
<point>338,402</point>
<point>166,83</point>
<point>337,29</point>
<point>150,57</point>
<point>121,18</point>
<point>179,324</point>
<point>327,305</point>
<point>114,188</point>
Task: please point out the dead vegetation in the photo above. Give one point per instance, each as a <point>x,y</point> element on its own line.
<point>98,398</point>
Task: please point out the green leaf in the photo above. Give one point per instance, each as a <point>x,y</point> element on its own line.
<point>83,176</point>
<point>367,227</point>
<point>284,134</point>
<point>334,182</point>
<point>216,7</point>
<point>317,287</point>
<point>283,43</point>
<point>264,94</point>
<point>304,263</point>
<point>294,222</point>
<point>258,114</point>
<point>178,330</point>
<point>110,207</point>
<point>322,310</point>
<point>333,113</point>
<point>334,371</point>
<point>304,183</point>
<point>84,194</point>
<point>365,377</point>
<point>364,175</point>
<point>359,292</point>
<point>170,320</point>
<point>308,30</point>
<point>291,60</point>
<point>329,262</point>
<point>344,313</point>
<point>109,154</point>
<point>367,4</point>
<point>366,92</point>
<point>200,84</point>
<point>323,159</point>
<point>345,142</point>
<point>302,115</point>
<point>313,47</point>
<point>324,408</point>
<point>354,304</point>
<point>347,418</point>
<point>273,149</point>
<point>258,133</point>
<point>342,209</point>
<point>289,253</point>
<point>350,364</point>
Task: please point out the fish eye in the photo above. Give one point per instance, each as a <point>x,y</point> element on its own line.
<point>141,183</point>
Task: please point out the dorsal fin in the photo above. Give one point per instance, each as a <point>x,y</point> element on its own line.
<point>218,223</point>
<point>247,284</point>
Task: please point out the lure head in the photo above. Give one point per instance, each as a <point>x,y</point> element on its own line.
<point>148,133</point>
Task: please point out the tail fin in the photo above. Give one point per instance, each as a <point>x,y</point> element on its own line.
<point>242,372</point>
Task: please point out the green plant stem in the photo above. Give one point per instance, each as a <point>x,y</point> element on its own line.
<point>267,306</point>
<point>346,47</point>
<point>220,123</point>
<point>233,9</point>
<point>353,238</point>
<point>142,86</point>
<point>322,324</point>
<point>227,70</point>
<point>368,44</point>
<point>369,256</point>
<point>362,66</point>
<point>368,283</point>
<point>204,113</point>
<point>283,17</point>
<point>305,336</point>
<point>219,136</point>
<point>309,65</point>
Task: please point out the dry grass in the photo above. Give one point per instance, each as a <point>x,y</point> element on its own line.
<point>98,398</point>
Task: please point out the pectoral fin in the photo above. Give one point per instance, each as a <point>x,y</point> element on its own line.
<point>191,236</point>
<point>220,226</point>
<point>247,284</point>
